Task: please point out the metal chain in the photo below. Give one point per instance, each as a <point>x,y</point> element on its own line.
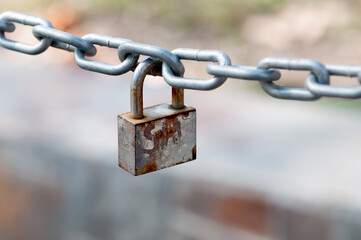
<point>317,83</point>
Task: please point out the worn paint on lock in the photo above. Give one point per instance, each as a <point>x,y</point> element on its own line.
<point>163,138</point>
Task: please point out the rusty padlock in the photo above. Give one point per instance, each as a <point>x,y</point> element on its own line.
<point>156,137</point>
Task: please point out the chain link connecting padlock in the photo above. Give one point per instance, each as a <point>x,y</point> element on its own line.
<point>156,137</point>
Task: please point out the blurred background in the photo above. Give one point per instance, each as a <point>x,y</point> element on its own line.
<point>267,169</point>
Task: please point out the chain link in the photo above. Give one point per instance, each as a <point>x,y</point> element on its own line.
<point>7,26</point>
<point>63,40</point>
<point>317,83</point>
<point>316,68</point>
<point>244,72</point>
<point>197,55</point>
<point>333,91</point>
<point>152,51</point>
<point>106,41</point>
<point>10,17</point>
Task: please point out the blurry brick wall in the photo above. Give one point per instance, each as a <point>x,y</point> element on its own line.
<point>229,208</point>
<point>242,214</point>
<point>91,201</point>
<point>27,210</point>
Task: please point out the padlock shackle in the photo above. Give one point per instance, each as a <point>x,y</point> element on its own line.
<point>136,88</point>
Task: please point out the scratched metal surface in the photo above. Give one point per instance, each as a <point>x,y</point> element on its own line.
<point>165,137</point>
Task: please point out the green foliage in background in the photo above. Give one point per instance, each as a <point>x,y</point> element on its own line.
<point>219,15</point>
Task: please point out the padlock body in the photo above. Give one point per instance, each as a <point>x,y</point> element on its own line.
<point>163,138</point>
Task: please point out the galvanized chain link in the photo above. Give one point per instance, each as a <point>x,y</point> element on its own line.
<point>317,83</point>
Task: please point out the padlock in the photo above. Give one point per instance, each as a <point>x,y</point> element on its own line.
<point>158,137</point>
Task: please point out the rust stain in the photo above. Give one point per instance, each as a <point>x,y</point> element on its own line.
<point>174,91</point>
<point>151,166</point>
<point>185,114</point>
<point>123,165</point>
<point>147,131</point>
<point>171,129</point>
<point>159,134</point>
<point>136,97</point>
<point>179,163</point>
<point>194,152</point>
<point>156,70</point>
<point>155,134</point>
